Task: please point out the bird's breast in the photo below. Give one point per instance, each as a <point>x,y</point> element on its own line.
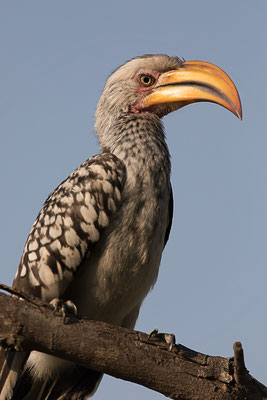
<point>124,264</point>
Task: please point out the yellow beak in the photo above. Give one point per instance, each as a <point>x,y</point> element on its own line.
<point>196,81</point>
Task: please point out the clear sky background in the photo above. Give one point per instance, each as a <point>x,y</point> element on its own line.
<point>55,57</point>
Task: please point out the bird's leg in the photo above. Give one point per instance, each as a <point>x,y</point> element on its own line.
<point>66,308</point>
<point>168,338</point>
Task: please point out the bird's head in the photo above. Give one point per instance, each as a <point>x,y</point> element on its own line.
<point>159,84</point>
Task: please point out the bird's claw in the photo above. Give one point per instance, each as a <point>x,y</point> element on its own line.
<point>66,308</point>
<point>168,338</point>
<point>153,333</point>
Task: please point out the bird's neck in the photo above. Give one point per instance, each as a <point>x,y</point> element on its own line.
<point>138,140</point>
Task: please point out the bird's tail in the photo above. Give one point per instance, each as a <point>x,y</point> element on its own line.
<point>78,385</point>
<point>11,366</point>
<point>16,383</point>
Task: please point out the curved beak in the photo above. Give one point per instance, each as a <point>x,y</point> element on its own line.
<point>196,81</point>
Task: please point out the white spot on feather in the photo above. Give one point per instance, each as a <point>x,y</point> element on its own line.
<point>52,219</point>
<point>46,275</point>
<point>72,258</point>
<point>88,213</point>
<point>83,171</point>
<point>33,280</point>
<point>44,253</point>
<point>91,230</point>
<point>97,169</point>
<point>44,240</point>
<point>79,197</point>
<point>89,199</point>
<point>68,222</point>
<point>57,209</point>
<point>55,231</point>
<point>103,219</point>
<point>36,234</point>
<point>55,245</point>
<point>23,271</point>
<point>33,245</point>
<point>107,187</point>
<point>32,256</point>
<point>76,189</point>
<point>71,237</point>
<point>59,269</point>
<point>46,220</point>
<point>83,245</point>
<point>66,185</point>
<point>44,231</point>
<point>67,200</point>
<point>59,220</point>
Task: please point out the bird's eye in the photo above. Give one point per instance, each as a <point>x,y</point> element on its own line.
<point>147,80</point>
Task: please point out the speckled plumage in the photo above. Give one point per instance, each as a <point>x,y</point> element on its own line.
<point>99,238</point>
<point>71,221</point>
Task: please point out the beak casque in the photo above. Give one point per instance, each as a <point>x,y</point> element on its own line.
<point>196,81</point>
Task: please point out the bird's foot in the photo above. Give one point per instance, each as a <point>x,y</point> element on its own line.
<point>168,338</point>
<point>66,308</point>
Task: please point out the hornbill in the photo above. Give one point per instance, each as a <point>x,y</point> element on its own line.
<point>99,238</point>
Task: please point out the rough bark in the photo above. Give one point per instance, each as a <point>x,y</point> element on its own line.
<point>181,374</point>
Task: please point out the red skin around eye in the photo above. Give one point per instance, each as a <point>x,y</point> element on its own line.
<point>146,89</point>
<point>146,72</point>
<point>139,107</point>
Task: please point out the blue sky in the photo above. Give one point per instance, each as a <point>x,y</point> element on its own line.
<point>55,57</point>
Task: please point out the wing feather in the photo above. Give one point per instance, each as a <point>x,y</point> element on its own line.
<point>70,223</point>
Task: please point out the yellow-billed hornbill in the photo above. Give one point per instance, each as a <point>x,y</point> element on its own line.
<point>99,238</point>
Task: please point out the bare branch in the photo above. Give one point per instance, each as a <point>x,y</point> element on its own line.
<point>23,296</point>
<point>130,355</point>
<point>240,372</point>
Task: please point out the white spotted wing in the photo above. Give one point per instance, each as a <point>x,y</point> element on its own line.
<point>71,221</point>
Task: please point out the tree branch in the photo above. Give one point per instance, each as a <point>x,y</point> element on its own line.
<point>130,355</point>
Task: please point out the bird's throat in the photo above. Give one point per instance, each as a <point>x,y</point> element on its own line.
<point>139,141</point>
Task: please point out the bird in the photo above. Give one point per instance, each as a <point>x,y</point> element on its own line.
<point>99,238</point>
